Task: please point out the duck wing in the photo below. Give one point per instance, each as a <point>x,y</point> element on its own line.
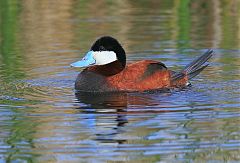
<point>153,67</point>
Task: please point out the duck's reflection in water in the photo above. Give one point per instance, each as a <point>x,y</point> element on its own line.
<point>104,114</point>
<point>107,114</point>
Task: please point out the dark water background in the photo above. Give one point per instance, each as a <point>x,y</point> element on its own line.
<point>42,120</point>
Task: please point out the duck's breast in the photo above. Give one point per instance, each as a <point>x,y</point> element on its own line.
<point>88,81</point>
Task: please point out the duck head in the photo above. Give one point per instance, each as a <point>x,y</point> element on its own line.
<point>105,51</point>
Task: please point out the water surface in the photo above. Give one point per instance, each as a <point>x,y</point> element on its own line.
<point>42,119</point>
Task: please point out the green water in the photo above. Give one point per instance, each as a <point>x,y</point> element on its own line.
<point>42,120</point>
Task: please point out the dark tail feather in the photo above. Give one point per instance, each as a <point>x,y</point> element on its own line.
<point>195,73</point>
<point>195,67</point>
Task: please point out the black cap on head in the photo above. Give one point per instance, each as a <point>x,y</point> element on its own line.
<point>108,43</point>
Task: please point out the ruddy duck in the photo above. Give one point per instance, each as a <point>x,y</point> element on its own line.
<point>106,70</point>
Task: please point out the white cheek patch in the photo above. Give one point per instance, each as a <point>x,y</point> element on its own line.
<point>104,57</point>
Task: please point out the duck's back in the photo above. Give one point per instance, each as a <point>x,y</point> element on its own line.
<point>141,76</point>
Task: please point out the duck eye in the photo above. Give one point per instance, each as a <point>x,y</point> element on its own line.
<point>101,48</point>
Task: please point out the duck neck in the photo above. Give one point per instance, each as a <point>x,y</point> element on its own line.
<point>108,69</point>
